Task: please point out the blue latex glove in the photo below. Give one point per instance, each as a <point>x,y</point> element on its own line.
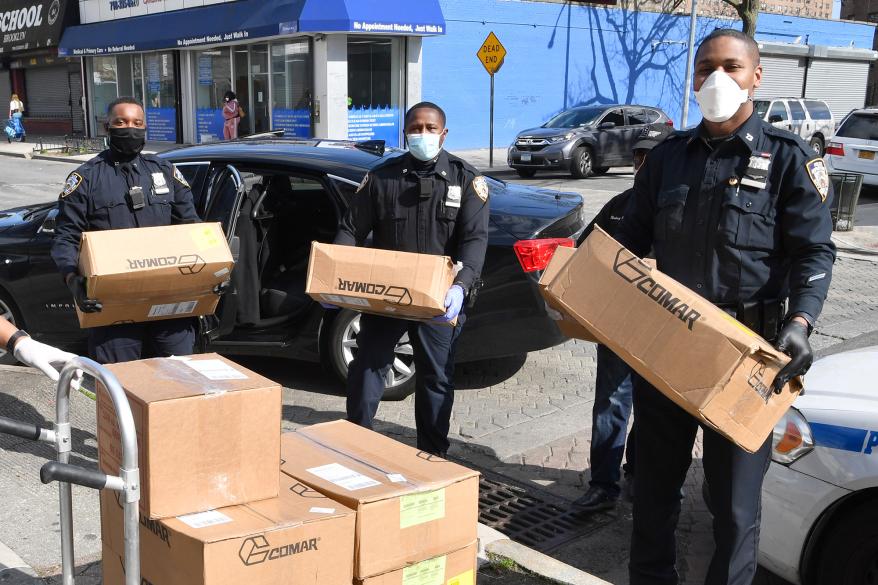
<point>329,307</point>
<point>453,303</point>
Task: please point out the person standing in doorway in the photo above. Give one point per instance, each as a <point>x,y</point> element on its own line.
<point>231,116</point>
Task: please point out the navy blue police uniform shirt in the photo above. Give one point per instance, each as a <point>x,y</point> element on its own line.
<point>609,218</point>
<point>743,219</point>
<point>411,206</point>
<point>95,197</point>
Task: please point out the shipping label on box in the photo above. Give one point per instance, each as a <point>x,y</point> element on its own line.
<point>410,505</point>
<point>567,324</point>
<point>148,274</point>
<point>455,568</point>
<point>382,282</point>
<point>693,352</point>
<point>298,537</point>
<point>208,432</point>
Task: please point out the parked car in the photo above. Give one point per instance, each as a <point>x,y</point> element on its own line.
<point>273,197</point>
<point>820,496</point>
<point>853,148</point>
<point>585,140</point>
<point>810,119</point>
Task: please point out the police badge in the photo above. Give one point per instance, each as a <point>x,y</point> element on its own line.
<point>819,176</point>
<point>480,186</point>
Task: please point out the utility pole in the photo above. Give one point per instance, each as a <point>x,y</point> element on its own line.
<point>687,84</point>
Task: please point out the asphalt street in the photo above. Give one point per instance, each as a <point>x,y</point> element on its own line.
<point>525,418</point>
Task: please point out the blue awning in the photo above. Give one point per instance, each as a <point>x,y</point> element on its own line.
<point>235,22</point>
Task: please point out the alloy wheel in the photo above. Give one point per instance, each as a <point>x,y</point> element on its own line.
<point>403,368</point>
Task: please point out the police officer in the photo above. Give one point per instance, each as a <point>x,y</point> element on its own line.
<point>613,386</point>
<point>736,210</point>
<point>123,188</point>
<point>430,202</point>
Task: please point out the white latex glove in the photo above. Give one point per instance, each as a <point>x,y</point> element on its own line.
<point>50,360</point>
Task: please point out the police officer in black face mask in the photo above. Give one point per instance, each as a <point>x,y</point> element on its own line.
<point>738,211</point>
<point>122,188</point>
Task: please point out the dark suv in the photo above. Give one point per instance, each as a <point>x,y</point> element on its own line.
<point>587,140</point>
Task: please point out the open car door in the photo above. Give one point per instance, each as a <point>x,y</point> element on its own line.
<point>225,192</point>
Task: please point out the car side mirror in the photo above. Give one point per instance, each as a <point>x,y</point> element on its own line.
<point>775,119</point>
<point>607,126</point>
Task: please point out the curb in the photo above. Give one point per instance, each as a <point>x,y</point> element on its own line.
<point>30,156</point>
<point>494,544</point>
<point>14,571</point>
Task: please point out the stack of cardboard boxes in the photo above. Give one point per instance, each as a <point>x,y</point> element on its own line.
<point>226,498</point>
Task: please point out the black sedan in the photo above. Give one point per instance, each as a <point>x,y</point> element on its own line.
<point>274,196</point>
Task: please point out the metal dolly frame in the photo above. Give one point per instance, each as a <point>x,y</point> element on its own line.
<point>127,482</point>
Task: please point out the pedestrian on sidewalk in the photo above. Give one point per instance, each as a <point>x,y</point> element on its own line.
<point>232,114</point>
<point>613,389</point>
<point>15,127</point>
<point>16,106</point>
<point>123,188</point>
<point>738,211</point>
<point>429,202</point>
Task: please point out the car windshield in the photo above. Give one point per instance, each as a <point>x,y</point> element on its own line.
<point>574,118</point>
<point>862,126</point>
<point>761,106</point>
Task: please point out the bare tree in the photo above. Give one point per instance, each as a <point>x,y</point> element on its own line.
<point>748,12</point>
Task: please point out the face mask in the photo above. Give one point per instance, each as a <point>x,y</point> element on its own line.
<point>424,146</point>
<point>720,97</point>
<point>126,143</point>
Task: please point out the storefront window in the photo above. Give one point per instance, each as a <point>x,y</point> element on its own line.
<point>259,94</point>
<point>242,87</point>
<point>104,89</point>
<point>373,89</point>
<point>214,80</point>
<point>161,102</point>
<point>291,87</point>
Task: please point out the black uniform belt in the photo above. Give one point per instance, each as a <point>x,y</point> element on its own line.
<point>765,317</point>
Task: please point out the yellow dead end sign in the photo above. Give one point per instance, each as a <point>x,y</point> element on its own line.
<point>491,54</point>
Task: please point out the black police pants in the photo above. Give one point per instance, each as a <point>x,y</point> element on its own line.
<point>133,341</point>
<point>433,346</point>
<point>664,440</point>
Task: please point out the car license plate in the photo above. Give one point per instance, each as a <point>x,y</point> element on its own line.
<point>525,156</point>
<point>867,154</point>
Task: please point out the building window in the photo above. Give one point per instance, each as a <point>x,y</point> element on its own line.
<point>291,88</point>
<point>214,79</point>
<point>374,89</point>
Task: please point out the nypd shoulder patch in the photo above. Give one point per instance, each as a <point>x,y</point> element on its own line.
<point>74,180</point>
<point>480,186</point>
<point>819,176</point>
<point>178,176</point>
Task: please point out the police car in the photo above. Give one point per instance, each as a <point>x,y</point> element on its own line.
<point>820,496</point>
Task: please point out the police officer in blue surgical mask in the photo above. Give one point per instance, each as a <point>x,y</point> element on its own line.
<point>430,202</point>
<point>123,188</point>
<point>738,211</point>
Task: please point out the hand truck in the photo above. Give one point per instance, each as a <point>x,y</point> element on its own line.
<point>127,482</point>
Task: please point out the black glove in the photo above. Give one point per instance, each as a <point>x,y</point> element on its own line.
<point>222,288</point>
<point>76,284</point>
<point>793,341</point>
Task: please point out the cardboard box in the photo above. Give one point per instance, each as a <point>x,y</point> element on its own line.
<point>208,433</point>
<point>154,273</point>
<point>410,506</point>
<point>567,324</point>
<point>692,351</point>
<point>299,537</point>
<point>454,568</point>
<point>383,282</point>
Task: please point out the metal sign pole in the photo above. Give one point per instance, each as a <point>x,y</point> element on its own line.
<point>491,150</point>
<point>693,18</point>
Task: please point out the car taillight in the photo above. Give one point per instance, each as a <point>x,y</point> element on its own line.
<point>670,123</point>
<point>792,438</point>
<point>836,148</point>
<point>535,254</point>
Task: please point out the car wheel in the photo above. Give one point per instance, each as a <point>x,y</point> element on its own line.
<point>600,170</point>
<point>342,348</point>
<point>817,144</point>
<point>525,173</point>
<point>581,165</point>
<point>849,556</point>
<point>9,311</point>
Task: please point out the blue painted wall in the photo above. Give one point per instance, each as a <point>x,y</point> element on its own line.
<point>561,55</point>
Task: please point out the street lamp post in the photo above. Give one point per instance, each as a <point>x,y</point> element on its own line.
<point>689,55</point>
